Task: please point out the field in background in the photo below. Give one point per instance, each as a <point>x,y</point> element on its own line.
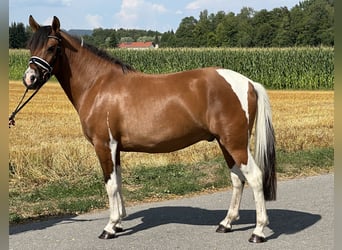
<point>276,68</point>
<point>47,142</point>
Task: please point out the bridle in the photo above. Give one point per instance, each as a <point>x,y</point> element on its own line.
<point>44,67</point>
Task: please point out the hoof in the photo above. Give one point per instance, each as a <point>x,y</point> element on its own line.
<point>222,229</point>
<point>105,235</point>
<point>256,239</point>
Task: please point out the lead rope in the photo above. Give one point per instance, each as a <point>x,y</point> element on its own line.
<point>11,121</point>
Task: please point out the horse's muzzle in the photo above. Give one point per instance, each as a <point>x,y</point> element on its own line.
<point>32,79</point>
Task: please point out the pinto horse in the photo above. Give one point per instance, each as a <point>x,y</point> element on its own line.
<point>121,109</point>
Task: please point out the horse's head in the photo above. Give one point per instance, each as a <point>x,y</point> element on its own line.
<point>45,48</point>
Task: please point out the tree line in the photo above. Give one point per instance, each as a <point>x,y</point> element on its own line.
<point>309,23</point>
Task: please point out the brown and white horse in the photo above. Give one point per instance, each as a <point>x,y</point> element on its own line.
<point>121,109</point>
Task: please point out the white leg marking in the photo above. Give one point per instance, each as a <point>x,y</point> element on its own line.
<point>113,188</point>
<point>239,84</point>
<point>233,211</point>
<point>253,175</point>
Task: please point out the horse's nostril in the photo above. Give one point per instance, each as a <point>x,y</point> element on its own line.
<point>32,78</point>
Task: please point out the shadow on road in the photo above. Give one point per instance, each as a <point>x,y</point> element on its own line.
<point>40,225</point>
<point>281,221</point>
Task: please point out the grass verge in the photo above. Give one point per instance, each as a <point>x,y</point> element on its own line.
<point>143,184</point>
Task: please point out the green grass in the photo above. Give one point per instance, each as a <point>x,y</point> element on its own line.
<point>151,183</point>
<point>300,162</point>
<point>170,180</point>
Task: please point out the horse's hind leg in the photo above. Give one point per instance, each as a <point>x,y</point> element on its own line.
<point>247,168</point>
<point>238,181</point>
<point>233,211</point>
<point>254,177</point>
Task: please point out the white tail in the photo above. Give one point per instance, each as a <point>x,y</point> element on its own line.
<point>265,155</point>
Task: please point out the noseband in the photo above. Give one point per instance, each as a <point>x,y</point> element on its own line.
<point>41,63</point>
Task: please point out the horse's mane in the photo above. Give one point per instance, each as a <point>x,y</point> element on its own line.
<point>104,55</point>
<point>41,35</point>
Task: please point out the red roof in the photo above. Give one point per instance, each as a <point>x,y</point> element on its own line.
<point>136,45</point>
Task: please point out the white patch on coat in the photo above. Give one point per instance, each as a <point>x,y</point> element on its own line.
<point>239,84</point>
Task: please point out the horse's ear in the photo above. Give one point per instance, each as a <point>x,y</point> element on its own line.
<point>55,24</point>
<point>33,24</point>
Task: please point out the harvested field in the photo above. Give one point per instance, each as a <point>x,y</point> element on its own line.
<point>47,141</point>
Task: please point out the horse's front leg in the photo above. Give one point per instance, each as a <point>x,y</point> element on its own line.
<point>110,162</point>
<point>116,206</point>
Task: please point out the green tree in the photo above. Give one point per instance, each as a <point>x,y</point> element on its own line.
<point>104,38</point>
<point>100,35</point>
<point>264,29</point>
<point>156,39</point>
<point>322,22</point>
<point>126,39</point>
<point>202,30</point>
<point>227,30</point>
<point>168,39</point>
<point>111,40</point>
<point>244,36</point>
<point>285,36</point>
<point>145,39</point>
<point>212,40</point>
<point>313,22</point>
<point>216,19</point>
<point>185,33</point>
<point>17,36</point>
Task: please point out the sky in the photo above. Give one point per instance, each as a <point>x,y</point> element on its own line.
<point>159,15</point>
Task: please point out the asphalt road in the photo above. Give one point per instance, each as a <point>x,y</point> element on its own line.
<point>301,218</point>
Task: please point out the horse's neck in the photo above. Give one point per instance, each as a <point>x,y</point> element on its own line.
<point>80,68</point>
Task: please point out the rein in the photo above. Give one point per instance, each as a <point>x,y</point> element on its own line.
<point>11,121</point>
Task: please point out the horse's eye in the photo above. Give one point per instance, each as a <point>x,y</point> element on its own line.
<point>51,49</point>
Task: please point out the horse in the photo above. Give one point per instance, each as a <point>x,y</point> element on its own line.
<point>122,109</point>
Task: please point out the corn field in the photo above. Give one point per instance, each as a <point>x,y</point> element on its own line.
<point>276,68</point>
